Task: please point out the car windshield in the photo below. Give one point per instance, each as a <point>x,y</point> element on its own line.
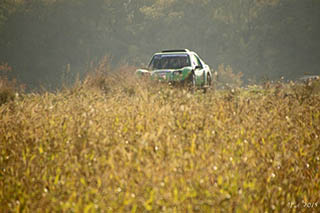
<point>169,61</point>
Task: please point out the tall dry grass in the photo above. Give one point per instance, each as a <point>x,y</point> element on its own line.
<point>114,143</point>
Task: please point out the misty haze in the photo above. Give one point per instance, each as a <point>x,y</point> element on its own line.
<point>267,39</point>
<point>96,117</point>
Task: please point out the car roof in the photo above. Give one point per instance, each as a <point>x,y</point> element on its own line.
<point>175,52</point>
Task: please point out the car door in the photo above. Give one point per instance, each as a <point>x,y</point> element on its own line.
<point>199,70</point>
<point>207,72</point>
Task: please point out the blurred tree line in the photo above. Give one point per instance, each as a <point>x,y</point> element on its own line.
<point>42,39</point>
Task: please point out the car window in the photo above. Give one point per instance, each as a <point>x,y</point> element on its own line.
<point>167,61</point>
<point>199,61</point>
<point>195,61</point>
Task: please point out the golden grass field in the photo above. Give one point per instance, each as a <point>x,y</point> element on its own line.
<point>113,143</point>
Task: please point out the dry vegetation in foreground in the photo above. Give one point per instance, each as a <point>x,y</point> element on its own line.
<point>116,144</point>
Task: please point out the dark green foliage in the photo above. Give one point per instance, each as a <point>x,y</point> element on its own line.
<point>273,38</point>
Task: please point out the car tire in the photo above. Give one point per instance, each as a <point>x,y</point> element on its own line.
<point>193,83</point>
<point>193,80</point>
<point>207,86</point>
<point>209,80</point>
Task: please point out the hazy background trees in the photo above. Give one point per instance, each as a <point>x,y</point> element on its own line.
<point>42,39</point>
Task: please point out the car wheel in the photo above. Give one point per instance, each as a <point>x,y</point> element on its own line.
<point>208,84</point>
<point>193,82</point>
<point>209,80</point>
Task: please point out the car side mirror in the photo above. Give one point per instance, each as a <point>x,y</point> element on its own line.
<point>198,67</point>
